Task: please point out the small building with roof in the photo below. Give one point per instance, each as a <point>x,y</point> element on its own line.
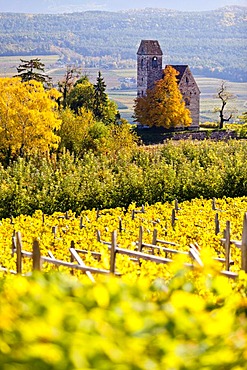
<point>150,69</point>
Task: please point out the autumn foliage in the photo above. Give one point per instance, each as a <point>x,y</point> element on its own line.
<point>163,105</point>
<point>28,117</point>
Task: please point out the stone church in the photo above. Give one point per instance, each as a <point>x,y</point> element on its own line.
<point>150,70</point>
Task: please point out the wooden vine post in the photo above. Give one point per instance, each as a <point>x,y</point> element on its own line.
<point>217,224</point>
<point>72,246</point>
<point>176,205</point>
<point>244,245</point>
<point>36,256</point>
<point>140,238</point>
<point>173,217</point>
<point>155,235</point>
<point>113,251</point>
<point>227,245</point>
<point>18,253</point>
<point>120,226</point>
<point>214,205</point>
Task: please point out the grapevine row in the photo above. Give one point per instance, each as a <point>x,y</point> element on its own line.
<point>193,225</point>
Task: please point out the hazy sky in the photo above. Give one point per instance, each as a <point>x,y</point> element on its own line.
<point>55,6</point>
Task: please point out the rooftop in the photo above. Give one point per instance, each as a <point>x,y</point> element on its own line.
<point>149,47</point>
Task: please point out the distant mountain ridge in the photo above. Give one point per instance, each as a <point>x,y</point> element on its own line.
<point>68,6</point>
<point>213,43</point>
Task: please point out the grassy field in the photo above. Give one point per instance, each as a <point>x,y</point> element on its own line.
<point>9,64</point>
<point>124,96</point>
<point>209,86</point>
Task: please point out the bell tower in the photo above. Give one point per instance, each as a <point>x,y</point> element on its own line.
<point>149,65</point>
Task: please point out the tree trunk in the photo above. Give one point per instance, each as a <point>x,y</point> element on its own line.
<point>222,120</point>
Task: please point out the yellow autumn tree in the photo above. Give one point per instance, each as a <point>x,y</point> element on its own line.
<point>163,105</point>
<point>28,117</point>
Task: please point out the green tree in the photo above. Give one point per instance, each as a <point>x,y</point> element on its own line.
<point>80,132</point>
<point>100,98</point>
<point>81,95</point>
<point>163,105</point>
<point>31,70</point>
<point>94,98</point>
<point>104,109</point>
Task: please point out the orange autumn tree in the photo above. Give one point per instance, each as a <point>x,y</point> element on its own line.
<point>28,117</point>
<point>163,105</point>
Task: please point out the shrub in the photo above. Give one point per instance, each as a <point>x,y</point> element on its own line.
<point>116,325</point>
<point>121,174</point>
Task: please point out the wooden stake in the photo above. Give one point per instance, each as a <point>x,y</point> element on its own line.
<point>217,224</point>
<point>72,246</point>
<point>97,214</point>
<point>54,230</point>
<point>120,227</point>
<point>213,205</point>
<point>98,236</point>
<point>113,252</point>
<point>195,256</point>
<point>140,238</point>
<point>13,247</point>
<point>75,256</point>
<point>227,245</point>
<point>155,234</point>
<point>176,205</point>
<point>36,256</point>
<point>173,217</point>
<point>18,252</point>
<point>244,245</point>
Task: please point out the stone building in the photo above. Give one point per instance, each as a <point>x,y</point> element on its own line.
<point>150,70</point>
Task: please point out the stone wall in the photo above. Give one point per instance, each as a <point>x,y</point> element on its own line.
<point>158,135</point>
<point>202,135</point>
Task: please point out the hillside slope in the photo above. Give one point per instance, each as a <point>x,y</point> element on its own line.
<point>213,43</point>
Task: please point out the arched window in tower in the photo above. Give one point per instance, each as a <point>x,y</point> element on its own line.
<point>142,64</point>
<point>154,62</point>
<point>187,101</point>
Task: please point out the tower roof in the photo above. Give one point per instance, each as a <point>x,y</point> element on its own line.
<point>149,47</point>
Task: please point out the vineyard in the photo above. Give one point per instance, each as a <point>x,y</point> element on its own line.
<point>163,229</point>
<point>156,286</point>
<point>169,311</point>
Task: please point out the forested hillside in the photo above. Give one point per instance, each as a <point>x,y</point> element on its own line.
<point>213,43</point>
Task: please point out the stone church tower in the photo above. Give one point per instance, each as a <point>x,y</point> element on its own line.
<point>150,70</point>
<point>149,65</point>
